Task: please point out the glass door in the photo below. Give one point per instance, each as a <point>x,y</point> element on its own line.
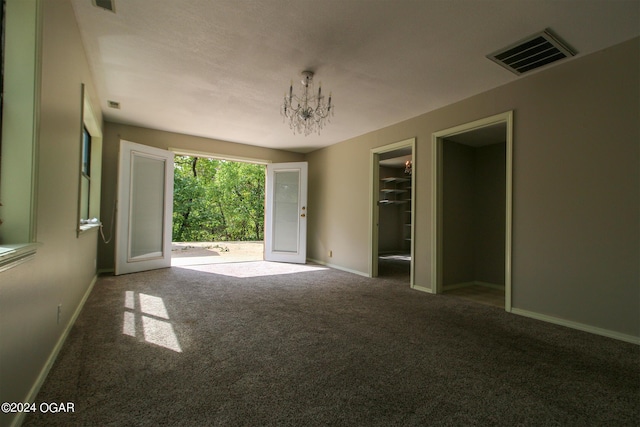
<point>286,213</point>
<point>145,206</point>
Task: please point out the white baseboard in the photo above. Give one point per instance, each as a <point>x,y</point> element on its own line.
<point>422,289</point>
<point>580,326</point>
<point>33,393</point>
<point>337,267</point>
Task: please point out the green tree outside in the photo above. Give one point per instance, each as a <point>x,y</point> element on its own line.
<point>217,200</point>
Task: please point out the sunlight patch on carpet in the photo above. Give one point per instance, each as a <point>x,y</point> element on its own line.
<point>154,319</point>
<point>129,324</point>
<point>254,269</point>
<point>128,300</point>
<point>160,333</point>
<point>153,306</point>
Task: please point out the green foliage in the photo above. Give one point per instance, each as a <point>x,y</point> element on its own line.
<point>217,200</point>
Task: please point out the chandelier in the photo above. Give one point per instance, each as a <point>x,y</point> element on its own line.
<point>307,113</point>
<point>408,167</point>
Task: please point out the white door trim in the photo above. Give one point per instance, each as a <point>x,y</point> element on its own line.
<point>436,192</point>
<point>374,192</point>
<point>212,155</point>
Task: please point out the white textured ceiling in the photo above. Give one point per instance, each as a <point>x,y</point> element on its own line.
<point>220,68</point>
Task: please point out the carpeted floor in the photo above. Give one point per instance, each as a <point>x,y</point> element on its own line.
<point>482,294</point>
<point>251,344</point>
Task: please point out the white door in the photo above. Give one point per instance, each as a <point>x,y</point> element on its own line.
<point>285,237</point>
<point>145,208</point>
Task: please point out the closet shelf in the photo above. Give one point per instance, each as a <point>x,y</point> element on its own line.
<point>392,202</point>
<point>395,179</point>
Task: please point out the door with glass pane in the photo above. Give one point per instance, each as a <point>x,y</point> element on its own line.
<point>286,213</point>
<point>145,208</point>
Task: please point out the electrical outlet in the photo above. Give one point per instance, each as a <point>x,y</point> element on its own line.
<point>59,312</point>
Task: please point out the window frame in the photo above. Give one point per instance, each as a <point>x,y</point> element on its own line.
<point>89,201</point>
<point>22,53</point>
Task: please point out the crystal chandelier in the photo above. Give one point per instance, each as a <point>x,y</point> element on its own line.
<point>308,112</point>
<point>408,167</point>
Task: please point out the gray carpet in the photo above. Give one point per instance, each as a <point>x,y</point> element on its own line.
<point>256,344</point>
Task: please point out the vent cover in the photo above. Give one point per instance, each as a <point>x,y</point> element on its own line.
<point>533,52</point>
<point>113,104</point>
<point>106,4</point>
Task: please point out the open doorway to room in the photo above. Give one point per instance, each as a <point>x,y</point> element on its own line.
<point>472,211</point>
<point>392,211</point>
<point>218,211</point>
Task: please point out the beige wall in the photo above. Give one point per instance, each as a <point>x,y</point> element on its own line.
<point>165,140</point>
<point>458,213</point>
<point>575,197</point>
<point>473,214</point>
<point>64,265</point>
<point>489,208</point>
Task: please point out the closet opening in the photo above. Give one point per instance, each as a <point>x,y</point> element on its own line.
<point>392,211</point>
<point>472,211</point>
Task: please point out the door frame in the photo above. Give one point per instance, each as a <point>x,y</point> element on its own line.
<point>374,188</point>
<point>437,197</point>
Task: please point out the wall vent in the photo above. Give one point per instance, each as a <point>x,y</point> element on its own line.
<point>106,4</point>
<point>533,52</point>
<point>113,104</point>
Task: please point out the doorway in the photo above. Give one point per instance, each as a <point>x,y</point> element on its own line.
<point>392,211</point>
<point>145,207</point>
<point>472,176</point>
<point>218,210</point>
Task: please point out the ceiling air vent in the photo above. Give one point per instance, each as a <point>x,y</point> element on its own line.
<point>533,52</point>
<point>106,4</point>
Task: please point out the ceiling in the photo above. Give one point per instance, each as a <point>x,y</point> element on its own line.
<point>397,158</point>
<point>220,68</point>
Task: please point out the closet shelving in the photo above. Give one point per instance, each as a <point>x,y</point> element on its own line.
<point>407,215</point>
<point>393,190</point>
<point>397,191</point>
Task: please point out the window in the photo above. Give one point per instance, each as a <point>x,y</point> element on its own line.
<point>86,152</point>
<point>90,168</point>
<point>2,22</point>
<point>85,176</point>
<point>20,107</point>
